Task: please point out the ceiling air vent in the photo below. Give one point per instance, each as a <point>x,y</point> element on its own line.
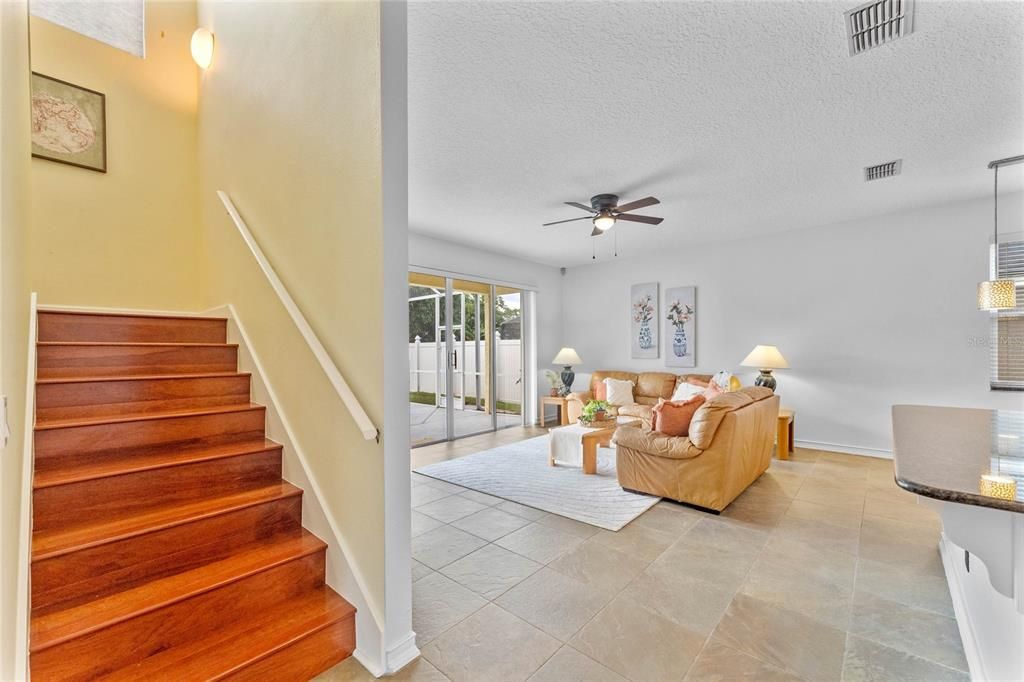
<point>877,23</point>
<point>883,170</point>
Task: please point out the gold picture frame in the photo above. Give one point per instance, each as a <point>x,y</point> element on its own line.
<point>69,123</point>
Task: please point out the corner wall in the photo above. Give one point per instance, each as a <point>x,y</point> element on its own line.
<point>868,314</point>
<point>129,237</point>
<point>14,310</point>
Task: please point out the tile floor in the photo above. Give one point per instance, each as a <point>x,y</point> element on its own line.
<point>822,570</point>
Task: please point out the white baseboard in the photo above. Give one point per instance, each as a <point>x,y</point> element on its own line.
<point>845,449</point>
<point>120,311</point>
<point>948,551</point>
<point>402,654</point>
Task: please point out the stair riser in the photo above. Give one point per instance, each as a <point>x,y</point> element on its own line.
<point>80,440</point>
<point>306,658</point>
<point>118,496</point>
<point>111,398</point>
<point>131,641</point>
<point>135,329</point>
<point>60,362</point>
<point>104,569</point>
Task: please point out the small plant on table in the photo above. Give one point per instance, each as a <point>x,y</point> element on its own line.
<point>594,411</point>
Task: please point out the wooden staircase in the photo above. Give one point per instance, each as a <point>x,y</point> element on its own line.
<point>165,544</point>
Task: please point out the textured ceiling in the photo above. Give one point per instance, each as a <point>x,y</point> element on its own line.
<point>744,118</point>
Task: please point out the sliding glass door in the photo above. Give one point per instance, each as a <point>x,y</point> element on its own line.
<point>466,357</point>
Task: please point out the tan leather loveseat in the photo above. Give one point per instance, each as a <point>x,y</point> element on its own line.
<point>647,388</point>
<point>729,446</point>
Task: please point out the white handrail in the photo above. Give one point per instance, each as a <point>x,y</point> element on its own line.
<point>369,431</point>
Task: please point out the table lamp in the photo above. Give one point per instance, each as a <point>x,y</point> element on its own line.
<point>765,358</point>
<point>567,357</point>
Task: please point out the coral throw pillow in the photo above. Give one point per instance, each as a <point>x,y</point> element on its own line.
<point>620,392</point>
<point>712,390</point>
<point>601,391</point>
<point>673,418</point>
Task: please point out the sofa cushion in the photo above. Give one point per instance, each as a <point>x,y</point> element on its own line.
<point>637,410</point>
<point>707,419</point>
<point>655,384</point>
<point>673,418</point>
<point>655,444</point>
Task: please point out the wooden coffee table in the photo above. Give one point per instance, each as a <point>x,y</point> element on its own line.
<point>590,441</point>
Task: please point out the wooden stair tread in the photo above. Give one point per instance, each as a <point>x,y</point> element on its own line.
<point>47,544</point>
<point>43,425</point>
<point>246,641</point>
<point>58,626</point>
<point>144,344</point>
<point>139,377</point>
<point>130,461</point>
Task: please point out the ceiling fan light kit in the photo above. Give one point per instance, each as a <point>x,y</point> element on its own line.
<point>605,211</point>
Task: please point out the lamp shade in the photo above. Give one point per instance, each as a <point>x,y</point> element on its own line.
<point>1000,294</point>
<point>765,357</point>
<point>567,356</point>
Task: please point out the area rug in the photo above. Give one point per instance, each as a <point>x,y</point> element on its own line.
<point>519,472</point>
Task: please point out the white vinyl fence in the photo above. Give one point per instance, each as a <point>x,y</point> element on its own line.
<point>425,357</point>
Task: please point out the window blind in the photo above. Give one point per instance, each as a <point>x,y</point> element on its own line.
<point>1008,325</point>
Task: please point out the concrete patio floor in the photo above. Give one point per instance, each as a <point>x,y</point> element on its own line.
<point>427,422</point>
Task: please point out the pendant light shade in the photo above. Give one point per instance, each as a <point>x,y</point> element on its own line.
<point>997,294</point>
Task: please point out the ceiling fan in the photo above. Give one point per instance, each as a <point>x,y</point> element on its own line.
<point>605,210</point>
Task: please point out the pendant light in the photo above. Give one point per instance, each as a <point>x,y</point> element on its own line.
<point>998,294</point>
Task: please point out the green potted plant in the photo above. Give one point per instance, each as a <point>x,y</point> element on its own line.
<point>594,411</point>
<point>556,383</point>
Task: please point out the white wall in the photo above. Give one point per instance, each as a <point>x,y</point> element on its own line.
<point>428,252</point>
<point>868,314</point>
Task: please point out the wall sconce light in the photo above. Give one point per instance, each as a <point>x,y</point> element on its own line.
<point>202,48</point>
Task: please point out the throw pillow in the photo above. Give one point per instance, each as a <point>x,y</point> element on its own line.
<point>620,392</point>
<point>686,390</point>
<point>712,390</point>
<point>673,418</point>
<point>601,391</point>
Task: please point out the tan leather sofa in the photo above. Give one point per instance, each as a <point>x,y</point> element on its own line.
<point>729,446</point>
<point>648,387</point>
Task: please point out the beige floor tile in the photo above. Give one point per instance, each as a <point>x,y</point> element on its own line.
<point>778,482</point>
<point>825,535</point>
<point>421,523</point>
<point>719,663</point>
<point>904,510</point>
<point>438,603</point>
<point>425,494</point>
<point>799,467</point>
<point>914,631</point>
<point>638,643</point>
<point>600,566</point>
<point>555,603</point>
<point>445,486</point>
<point>636,540</point>
<point>490,524</point>
<point>673,519</point>
<point>451,508</point>
<point>522,510</point>
<point>420,570</point>
<point>724,567</point>
<point>799,590</point>
<point>583,530</point>
<point>569,665</point>
<point>540,543</point>
<point>849,499</point>
<point>756,511</point>
<point>799,555</point>
<point>723,535</point>
<point>837,516</point>
<point>684,599</point>
<point>785,639</point>
<point>490,570</point>
<point>350,670</point>
<point>912,546</point>
<point>868,661</point>
<point>482,498</point>
<point>441,546</point>
<point>892,581</point>
<point>491,645</point>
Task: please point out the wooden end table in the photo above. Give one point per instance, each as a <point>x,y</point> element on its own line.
<point>559,402</point>
<point>784,434</point>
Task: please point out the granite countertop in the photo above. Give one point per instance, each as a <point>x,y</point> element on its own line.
<point>942,452</point>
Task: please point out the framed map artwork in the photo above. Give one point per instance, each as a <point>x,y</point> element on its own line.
<point>68,123</point>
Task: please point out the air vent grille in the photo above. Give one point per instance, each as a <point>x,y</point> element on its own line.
<point>883,170</point>
<point>877,23</point>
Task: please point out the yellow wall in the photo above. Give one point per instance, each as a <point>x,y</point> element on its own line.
<point>14,296</point>
<point>289,126</point>
<point>129,237</point>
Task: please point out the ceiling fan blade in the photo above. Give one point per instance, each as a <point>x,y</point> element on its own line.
<point>640,219</point>
<point>579,205</point>
<point>559,222</point>
<point>639,203</point>
<point>596,232</point>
